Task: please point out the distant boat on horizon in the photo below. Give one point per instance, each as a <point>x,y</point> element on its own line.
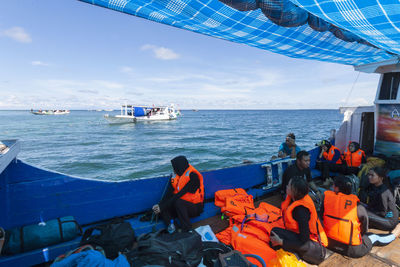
<point>130,113</point>
<point>50,112</point>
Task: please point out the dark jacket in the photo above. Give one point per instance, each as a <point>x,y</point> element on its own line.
<point>180,165</point>
<point>381,201</point>
<point>294,171</point>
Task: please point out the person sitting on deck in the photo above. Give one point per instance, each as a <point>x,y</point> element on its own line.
<point>300,168</point>
<point>289,147</point>
<point>328,160</point>
<point>345,222</point>
<point>381,205</point>
<point>353,157</point>
<point>184,197</point>
<point>303,233</point>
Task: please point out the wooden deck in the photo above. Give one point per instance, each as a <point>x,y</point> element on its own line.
<point>378,257</point>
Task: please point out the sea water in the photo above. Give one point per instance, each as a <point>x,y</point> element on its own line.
<point>84,144</point>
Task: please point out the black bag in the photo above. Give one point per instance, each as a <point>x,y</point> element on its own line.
<point>211,251</point>
<point>115,236</point>
<point>355,182</point>
<point>393,162</point>
<point>170,250</point>
<point>237,259</point>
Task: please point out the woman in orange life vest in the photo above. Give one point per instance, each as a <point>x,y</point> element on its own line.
<point>381,205</point>
<point>303,233</point>
<point>328,160</point>
<point>345,221</point>
<point>184,197</point>
<point>353,157</point>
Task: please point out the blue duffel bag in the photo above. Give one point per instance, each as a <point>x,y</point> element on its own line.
<point>44,234</point>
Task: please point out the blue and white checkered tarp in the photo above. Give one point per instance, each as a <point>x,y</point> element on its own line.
<point>367,20</point>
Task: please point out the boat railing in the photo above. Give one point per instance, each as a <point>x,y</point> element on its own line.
<point>10,153</point>
<point>275,167</point>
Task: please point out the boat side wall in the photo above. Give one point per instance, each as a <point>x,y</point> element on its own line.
<point>30,195</point>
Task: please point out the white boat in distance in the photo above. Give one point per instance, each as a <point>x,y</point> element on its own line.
<point>50,112</point>
<point>130,113</point>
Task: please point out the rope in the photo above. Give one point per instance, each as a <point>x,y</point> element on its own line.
<point>351,90</point>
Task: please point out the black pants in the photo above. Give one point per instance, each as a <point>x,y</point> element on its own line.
<point>326,167</point>
<point>183,210</point>
<point>310,251</point>
<point>378,222</point>
<point>351,251</point>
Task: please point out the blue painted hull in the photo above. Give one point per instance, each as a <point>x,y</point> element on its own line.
<point>29,195</point>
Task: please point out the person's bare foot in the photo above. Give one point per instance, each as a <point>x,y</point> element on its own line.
<point>396,230</point>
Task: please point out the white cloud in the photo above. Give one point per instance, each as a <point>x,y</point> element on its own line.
<point>160,52</point>
<point>209,87</point>
<point>126,69</point>
<point>39,63</point>
<point>18,34</point>
<point>108,84</point>
<point>69,94</point>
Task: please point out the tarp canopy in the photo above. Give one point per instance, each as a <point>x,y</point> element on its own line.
<point>353,32</point>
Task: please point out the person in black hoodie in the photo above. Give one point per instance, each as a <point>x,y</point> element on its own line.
<point>184,197</point>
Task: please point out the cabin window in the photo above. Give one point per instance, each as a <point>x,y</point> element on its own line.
<point>390,86</point>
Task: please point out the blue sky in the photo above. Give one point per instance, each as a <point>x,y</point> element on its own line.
<point>67,54</point>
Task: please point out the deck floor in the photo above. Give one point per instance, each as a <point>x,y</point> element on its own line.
<point>378,257</point>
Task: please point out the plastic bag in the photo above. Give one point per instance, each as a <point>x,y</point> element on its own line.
<point>206,233</point>
<point>286,259</point>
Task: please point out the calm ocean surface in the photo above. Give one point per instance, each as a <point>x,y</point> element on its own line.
<point>83,143</point>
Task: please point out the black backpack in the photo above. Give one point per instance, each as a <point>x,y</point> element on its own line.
<point>115,236</point>
<point>211,252</point>
<point>180,249</point>
<point>237,259</point>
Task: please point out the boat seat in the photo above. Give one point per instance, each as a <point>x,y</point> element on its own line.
<point>317,173</point>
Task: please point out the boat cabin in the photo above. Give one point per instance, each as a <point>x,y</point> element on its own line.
<point>376,128</point>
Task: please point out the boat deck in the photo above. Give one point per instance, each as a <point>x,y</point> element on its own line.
<point>378,257</point>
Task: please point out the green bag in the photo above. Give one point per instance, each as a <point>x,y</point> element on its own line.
<point>30,237</point>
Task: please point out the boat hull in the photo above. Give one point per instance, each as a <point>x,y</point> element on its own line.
<point>121,119</point>
<point>50,113</point>
<point>29,195</point>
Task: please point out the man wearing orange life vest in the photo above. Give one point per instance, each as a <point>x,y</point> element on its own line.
<point>303,233</point>
<point>328,160</point>
<point>345,222</point>
<point>184,197</point>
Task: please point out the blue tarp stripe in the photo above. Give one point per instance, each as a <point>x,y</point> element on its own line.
<point>253,28</point>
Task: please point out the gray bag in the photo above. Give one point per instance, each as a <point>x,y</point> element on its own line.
<point>355,181</point>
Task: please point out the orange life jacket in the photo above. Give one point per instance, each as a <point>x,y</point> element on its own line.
<point>259,223</point>
<point>178,182</point>
<point>234,202</point>
<point>317,232</point>
<point>238,204</point>
<point>222,195</point>
<point>248,244</point>
<point>250,234</point>
<point>329,155</point>
<point>354,159</point>
<point>340,218</point>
